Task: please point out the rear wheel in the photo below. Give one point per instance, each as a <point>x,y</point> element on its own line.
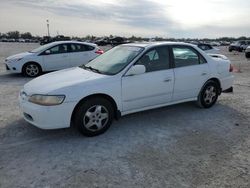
<point>209,94</point>
<point>94,116</point>
<point>247,54</point>
<point>31,69</point>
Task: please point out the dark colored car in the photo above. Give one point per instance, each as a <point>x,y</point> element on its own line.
<point>239,46</point>
<point>118,40</point>
<point>103,42</point>
<point>47,39</point>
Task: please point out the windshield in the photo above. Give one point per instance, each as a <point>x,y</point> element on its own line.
<point>114,60</point>
<point>41,48</point>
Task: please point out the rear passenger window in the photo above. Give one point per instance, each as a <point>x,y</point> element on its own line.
<point>155,59</point>
<point>80,48</point>
<point>186,56</point>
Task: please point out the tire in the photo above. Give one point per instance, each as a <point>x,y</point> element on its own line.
<point>247,54</point>
<point>94,116</point>
<point>209,94</point>
<point>31,69</point>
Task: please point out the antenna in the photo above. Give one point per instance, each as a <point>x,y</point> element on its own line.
<point>48,27</point>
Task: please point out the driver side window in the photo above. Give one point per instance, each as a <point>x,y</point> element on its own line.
<point>156,59</point>
<point>58,49</point>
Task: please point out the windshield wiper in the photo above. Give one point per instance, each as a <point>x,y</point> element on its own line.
<point>91,68</point>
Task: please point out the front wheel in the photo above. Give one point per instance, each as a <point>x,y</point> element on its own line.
<point>208,95</point>
<point>94,116</point>
<point>31,70</point>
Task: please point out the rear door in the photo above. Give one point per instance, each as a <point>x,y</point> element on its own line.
<point>191,72</point>
<point>56,58</point>
<point>154,87</point>
<point>81,54</point>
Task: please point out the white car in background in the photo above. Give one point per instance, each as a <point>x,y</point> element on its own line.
<point>209,49</point>
<point>126,79</point>
<point>52,56</point>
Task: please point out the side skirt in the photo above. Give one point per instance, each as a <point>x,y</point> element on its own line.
<point>157,106</point>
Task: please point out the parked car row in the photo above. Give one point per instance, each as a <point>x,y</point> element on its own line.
<point>111,41</point>
<point>19,40</point>
<point>126,79</point>
<point>48,39</point>
<point>239,46</point>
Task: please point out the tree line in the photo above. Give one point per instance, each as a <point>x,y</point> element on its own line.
<point>28,35</point>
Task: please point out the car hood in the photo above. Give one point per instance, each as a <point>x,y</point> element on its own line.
<point>60,79</point>
<point>20,55</point>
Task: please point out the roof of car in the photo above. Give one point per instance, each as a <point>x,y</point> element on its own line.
<point>150,44</point>
<point>72,41</point>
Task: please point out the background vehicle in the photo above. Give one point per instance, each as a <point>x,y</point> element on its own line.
<point>126,79</point>
<point>118,40</point>
<point>239,46</point>
<point>245,45</point>
<point>247,52</point>
<point>53,56</point>
<point>47,39</point>
<point>208,48</point>
<point>103,41</point>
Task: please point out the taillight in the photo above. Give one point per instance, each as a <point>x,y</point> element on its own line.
<point>231,68</point>
<point>99,51</point>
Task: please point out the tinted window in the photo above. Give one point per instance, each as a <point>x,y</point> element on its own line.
<point>80,48</point>
<point>186,56</point>
<point>61,48</point>
<point>155,59</point>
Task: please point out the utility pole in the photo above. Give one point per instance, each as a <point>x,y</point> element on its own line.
<point>48,27</point>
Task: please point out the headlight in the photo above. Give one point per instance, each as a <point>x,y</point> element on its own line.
<point>47,100</point>
<point>13,60</point>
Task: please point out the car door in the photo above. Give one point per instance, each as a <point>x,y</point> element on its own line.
<point>154,87</point>
<point>191,71</point>
<point>56,58</point>
<point>80,54</point>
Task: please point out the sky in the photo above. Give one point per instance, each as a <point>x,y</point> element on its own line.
<point>145,18</point>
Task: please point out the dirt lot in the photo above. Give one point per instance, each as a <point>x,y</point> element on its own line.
<point>177,146</point>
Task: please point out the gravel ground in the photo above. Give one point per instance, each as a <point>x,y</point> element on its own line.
<point>176,146</point>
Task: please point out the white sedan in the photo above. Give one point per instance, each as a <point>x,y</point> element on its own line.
<point>126,79</point>
<point>53,56</point>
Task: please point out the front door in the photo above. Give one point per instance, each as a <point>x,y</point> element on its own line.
<point>56,58</point>
<point>154,87</point>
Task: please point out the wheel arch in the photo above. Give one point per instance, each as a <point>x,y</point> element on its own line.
<point>101,95</point>
<point>216,80</point>
<point>29,62</point>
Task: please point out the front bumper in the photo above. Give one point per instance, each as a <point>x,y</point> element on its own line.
<point>12,67</point>
<point>47,117</point>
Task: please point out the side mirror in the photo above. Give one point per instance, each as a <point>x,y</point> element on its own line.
<point>136,70</point>
<point>47,52</point>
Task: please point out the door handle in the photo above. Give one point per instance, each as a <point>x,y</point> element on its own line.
<point>167,80</point>
<point>204,74</point>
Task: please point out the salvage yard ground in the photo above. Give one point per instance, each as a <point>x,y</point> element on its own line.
<point>176,146</point>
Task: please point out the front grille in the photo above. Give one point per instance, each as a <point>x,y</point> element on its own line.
<point>7,68</point>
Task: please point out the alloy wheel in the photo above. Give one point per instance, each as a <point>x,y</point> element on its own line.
<point>95,118</point>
